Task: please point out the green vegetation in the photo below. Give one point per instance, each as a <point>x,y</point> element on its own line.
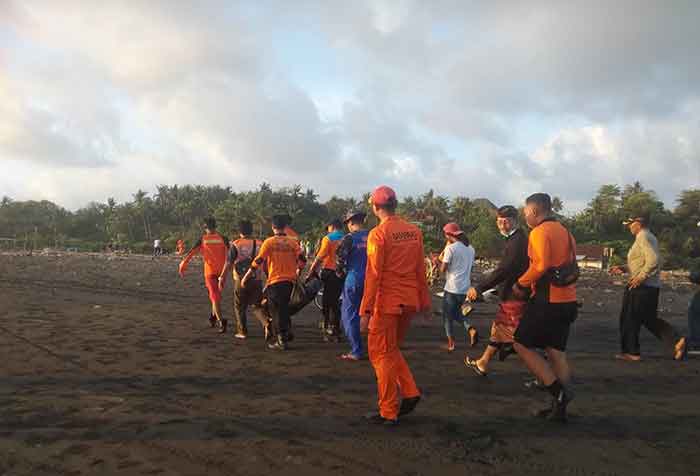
<point>175,212</point>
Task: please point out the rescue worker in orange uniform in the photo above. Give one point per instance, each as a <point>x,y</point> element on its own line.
<point>332,283</point>
<point>283,259</point>
<point>213,247</point>
<point>180,247</point>
<point>395,290</point>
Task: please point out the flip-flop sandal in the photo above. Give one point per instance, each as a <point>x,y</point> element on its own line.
<point>474,366</point>
<point>682,353</point>
<point>348,357</point>
<point>473,336</point>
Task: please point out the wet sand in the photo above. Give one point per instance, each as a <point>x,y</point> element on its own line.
<point>109,367</point>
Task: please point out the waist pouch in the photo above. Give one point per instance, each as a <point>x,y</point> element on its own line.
<point>567,274</point>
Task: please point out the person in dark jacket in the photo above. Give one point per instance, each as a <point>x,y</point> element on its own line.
<point>514,262</point>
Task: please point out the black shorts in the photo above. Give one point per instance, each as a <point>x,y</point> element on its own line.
<point>546,325</point>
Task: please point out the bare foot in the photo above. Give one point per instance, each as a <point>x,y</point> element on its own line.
<point>628,357</point>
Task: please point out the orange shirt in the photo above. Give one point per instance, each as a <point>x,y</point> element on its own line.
<point>281,253</point>
<point>213,247</point>
<point>548,247</point>
<point>395,276</point>
<point>327,251</point>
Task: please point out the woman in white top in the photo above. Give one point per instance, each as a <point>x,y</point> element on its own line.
<point>457,260</point>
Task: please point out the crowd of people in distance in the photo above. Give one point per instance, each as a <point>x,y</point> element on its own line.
<point>374,283</point>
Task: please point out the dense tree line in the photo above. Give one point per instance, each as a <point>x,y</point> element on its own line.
<point>175,212</point>
<point>677,229</point>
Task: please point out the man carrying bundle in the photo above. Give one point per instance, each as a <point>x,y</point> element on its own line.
<point>351,262</point>
<point>282,257</point>
<point>240,258</point>
<point>332,283</point>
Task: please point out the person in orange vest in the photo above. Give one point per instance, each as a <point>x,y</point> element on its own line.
<point>213,247</point>
<point>332,283</point>
<point>240,257</point>
<point>395,290</point>
<point>180,247</point>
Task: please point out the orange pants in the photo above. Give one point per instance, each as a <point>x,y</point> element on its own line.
<point>386,334</point>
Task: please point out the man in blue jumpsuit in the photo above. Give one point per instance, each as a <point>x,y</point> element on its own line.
<point>351,261</point>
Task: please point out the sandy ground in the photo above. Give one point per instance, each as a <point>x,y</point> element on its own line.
<point>109,367</point>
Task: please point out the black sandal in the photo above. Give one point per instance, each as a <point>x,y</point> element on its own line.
<point>505,351</point>
<point>474,366</point>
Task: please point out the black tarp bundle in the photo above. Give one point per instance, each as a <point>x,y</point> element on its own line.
<point>303,293</point>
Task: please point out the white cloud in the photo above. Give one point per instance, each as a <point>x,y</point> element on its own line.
<point>102,98</point>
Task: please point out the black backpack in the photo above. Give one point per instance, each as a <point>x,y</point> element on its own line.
<point>242,266</point>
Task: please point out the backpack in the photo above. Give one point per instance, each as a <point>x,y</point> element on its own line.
<point>242,266</point>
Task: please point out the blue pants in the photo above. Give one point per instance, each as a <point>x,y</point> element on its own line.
<point>350,316</point>
<point>451,311</point>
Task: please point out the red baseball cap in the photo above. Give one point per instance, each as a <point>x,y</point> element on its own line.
<point>382,195</point>
<point>452,229</point>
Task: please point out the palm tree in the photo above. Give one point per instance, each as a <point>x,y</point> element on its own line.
<point>557,205</point>
<point>142,201</point>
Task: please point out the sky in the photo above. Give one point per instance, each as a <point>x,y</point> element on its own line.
<point>495,99</point>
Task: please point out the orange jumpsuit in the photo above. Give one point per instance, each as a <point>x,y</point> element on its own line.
<point>395,288</point>
<point>213,247</point>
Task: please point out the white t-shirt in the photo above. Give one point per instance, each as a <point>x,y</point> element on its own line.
<point>156,243</point>
<point>459,259</point>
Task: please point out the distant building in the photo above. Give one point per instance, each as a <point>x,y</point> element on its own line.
<point>593,256</point>
<point>486,204</point>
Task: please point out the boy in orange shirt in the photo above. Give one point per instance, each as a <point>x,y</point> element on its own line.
<point>213,247</point>
<point>395,290</point>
